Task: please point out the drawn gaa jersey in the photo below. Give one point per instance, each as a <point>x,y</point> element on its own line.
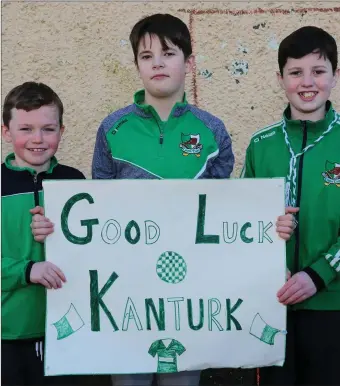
<point>167,351</point>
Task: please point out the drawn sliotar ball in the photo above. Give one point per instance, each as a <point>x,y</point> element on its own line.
<point>171,267</point>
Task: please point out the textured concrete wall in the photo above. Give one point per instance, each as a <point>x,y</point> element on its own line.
<point>81,50</point>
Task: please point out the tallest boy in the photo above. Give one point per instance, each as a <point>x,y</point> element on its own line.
<point>161,135</point>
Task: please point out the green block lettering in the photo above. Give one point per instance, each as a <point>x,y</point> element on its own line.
<point>96,300</point>
<point>201,238</point>
<point>190,315</point>
<point>130,225</point>
<point>87,223</point>
<point>159,317</point>
<point>230,317</point>
<point>243,230</point>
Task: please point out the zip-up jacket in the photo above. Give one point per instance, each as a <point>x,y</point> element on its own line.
<point>23,303</point>
<point>315,245</point>
<point>135,143</point>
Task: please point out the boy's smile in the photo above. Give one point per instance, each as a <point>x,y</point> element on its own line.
<point>308,82</point>
<point>308,96</point>
<point>35,136</point>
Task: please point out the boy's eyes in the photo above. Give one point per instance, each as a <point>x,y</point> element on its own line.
<point>148,56</point>
<point>297,73</point>
<point>48,129</point>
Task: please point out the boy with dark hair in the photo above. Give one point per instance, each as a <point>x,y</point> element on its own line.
<point>162,136</point>
<point>304,147</point>
<point>33,123</point>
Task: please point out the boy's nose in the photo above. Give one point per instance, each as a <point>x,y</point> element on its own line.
<point>157,62</point>
<point>307,80</point>
<point>37,136</point>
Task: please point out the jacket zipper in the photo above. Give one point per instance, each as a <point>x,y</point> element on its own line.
<point>298,199</point>
<point>161,133</point>
<point>36,192</point>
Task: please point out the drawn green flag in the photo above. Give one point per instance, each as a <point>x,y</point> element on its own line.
<point>69,323</point>
<point>263,331</point>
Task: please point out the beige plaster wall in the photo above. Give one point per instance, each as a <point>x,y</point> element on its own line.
<point>81,50</point>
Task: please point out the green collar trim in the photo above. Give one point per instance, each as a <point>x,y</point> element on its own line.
<point>316,126</point>
<point>139,99</point>
<point>11,157</point>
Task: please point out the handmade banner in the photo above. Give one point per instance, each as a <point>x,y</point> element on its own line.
<point>164,276</point>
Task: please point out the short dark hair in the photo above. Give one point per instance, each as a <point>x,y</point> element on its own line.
<point>166,27</point>
<point>30,96</point>
<point>307,40</point>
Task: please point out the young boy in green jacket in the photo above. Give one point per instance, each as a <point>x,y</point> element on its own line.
<point>162,136</point>
<point>33,124</point>
<point>304,147</point>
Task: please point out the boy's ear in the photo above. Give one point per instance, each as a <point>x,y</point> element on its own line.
<point>280,79</point>
<point>189,64</point>
<point>62,129</point>
<point>336,77</point>
<point>6,134</point>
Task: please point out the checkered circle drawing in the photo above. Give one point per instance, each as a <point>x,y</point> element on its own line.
<point>171,267</point>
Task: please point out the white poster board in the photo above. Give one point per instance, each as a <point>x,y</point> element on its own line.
<point>164,276</point>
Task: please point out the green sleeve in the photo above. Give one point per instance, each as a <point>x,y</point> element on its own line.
<point>248,167</point>
<point>153,348</point>
<point>328,265</point>
<point>13,273</point>
<point>179,348</point>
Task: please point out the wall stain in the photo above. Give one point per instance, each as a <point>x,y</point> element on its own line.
<point>257,26</point>
<point>242,49</point>
<point>123,42</point>
<point>205,73</point>
<point>273,44</point>
<point>239,67</point>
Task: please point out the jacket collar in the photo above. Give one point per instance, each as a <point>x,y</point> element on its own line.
<point>148,111</point>
<point>315,128</point>
<point>11,157</point>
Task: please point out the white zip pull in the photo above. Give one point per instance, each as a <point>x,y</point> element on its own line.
<point>41,351</point>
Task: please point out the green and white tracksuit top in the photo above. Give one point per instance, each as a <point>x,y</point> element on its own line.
<point>23,303</point>
<point>134,143</point>
<point>315,245</point>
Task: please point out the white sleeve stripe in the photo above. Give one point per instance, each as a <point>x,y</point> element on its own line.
<point>334,261</point>
<point>328,256</point>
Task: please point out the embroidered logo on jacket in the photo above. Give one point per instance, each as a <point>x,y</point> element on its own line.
<point>332,174</point>
<point>191,144</point>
